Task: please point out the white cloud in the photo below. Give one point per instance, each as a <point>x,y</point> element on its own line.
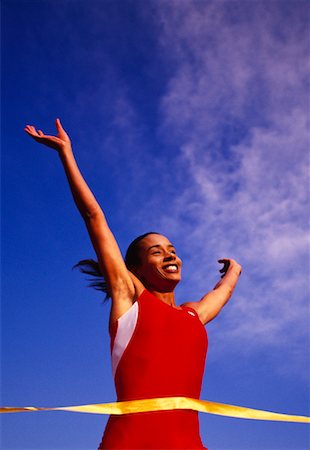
<point>237,106</point>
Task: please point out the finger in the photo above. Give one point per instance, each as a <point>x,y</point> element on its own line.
<point>58,125</point>
<point>226,262</point>
<point>225,268</point>
<point>28,127</point>
<point>40,133</point>
<point>30,130</point>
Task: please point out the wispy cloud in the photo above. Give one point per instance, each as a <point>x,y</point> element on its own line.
<point>237,107</point>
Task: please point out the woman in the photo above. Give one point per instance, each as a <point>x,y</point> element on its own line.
<point>158,348</point>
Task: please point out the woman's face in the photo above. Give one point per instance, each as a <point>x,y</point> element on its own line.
<point>160,267</point>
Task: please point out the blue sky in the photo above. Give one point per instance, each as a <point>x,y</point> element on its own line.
<point>186,117</point>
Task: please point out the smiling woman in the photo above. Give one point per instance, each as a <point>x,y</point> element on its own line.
<point>158,349</point>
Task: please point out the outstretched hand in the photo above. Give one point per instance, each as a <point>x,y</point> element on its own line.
<point>231,270</point>
<point>58,142</point>
<point>227,264</point>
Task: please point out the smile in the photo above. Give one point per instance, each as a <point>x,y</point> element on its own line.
<point>171,268</point>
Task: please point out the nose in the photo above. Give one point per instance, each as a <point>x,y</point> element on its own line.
<point>169,255</point>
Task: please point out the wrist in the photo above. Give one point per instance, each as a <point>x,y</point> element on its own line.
<point>235,267</point>
<point>65,150</point>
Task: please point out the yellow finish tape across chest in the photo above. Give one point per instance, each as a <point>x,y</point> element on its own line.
<point>169,403</point>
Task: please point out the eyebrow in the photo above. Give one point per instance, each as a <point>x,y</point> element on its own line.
<point>158,245</point>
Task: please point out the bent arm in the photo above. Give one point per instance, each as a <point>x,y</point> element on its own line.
<point>211,304</point>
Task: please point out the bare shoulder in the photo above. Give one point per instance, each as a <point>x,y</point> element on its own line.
<point>193,305</point>
<point>197,306</point>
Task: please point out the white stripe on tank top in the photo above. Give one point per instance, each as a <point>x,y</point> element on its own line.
<point>126,325</point>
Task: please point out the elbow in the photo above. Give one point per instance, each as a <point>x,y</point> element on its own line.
<point>93,214</point>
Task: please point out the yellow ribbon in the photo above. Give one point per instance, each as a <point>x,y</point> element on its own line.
<point>168,403</point>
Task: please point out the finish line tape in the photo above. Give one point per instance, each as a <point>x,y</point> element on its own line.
<point>168,403</point>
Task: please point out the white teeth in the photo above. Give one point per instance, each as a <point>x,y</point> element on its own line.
<point>171,268</point>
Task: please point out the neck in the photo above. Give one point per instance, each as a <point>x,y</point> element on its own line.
<point>166,297</point>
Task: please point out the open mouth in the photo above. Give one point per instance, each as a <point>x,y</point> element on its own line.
<point>171,268</point>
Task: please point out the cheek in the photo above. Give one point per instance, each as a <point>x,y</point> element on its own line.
<point>149,267</point>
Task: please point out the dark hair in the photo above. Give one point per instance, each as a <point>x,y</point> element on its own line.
<point>91,267</point>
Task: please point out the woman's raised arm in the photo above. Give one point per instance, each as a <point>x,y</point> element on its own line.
<point>212,303</point>
<point>119,280</point>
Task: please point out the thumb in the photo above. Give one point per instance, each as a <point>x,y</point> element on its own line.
<point>58,125</point>
<point>61,131</point>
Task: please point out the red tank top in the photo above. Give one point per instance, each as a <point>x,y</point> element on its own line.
<point>157,351</point>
